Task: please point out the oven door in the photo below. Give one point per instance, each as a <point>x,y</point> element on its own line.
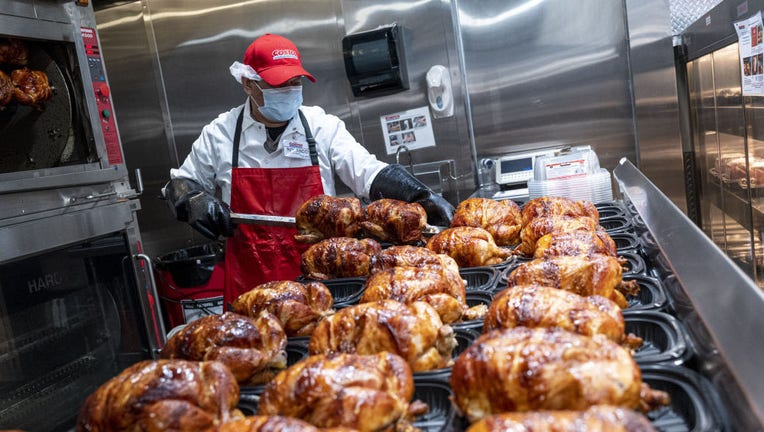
<point>72,137</point>
<point>74,311</point>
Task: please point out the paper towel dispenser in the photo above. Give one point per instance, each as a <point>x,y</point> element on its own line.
<point>375,61</point>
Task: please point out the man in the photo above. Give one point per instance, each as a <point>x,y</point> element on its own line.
<point>270,155</point>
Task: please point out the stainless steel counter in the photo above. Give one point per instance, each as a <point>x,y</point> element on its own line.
<point>714,298</point>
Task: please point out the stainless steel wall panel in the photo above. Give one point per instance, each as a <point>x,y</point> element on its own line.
<point>138,97</point>
<point>23,8</point>
<point>537,77</point>
<point>429,40</point>
<point>655,97</point>
<point>198,41</point>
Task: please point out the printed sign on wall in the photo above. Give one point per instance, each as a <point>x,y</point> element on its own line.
<point>751,50</point>
<point>412,128</point>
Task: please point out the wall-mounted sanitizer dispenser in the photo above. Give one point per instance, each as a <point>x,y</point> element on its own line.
<point>439,93</point>
<point>375,61</point>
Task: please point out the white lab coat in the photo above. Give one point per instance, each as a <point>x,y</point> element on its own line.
<point>209,162</point>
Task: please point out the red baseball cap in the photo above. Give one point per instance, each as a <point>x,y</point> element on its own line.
<point>276,59</point>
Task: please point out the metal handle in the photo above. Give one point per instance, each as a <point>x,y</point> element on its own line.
<point>91,197</point>
<point>138,182</point>
<point>153,291</point>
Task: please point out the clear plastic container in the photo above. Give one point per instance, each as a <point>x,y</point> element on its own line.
<point>566,165</point>
<point>591,187</point>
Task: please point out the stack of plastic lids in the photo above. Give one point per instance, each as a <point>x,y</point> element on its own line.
<point>575,175</point>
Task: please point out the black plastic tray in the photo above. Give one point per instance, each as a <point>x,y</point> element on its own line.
<point>651,295</point>
<point>626,241</point>
<point>480,278</point>
<point>616,224</point>
<point>665,339</point>
<point>635,264</point>
<point>608,210</point>
<point>695,403</point>
<point>345,291</point>
<point>436,392</point>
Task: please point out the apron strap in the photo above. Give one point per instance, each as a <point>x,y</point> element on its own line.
<point>311,141</point>
<point>308,136</point>
<point>237,139</point>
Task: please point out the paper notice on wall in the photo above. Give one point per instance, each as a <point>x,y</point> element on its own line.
<point>751,48</point>
<point>412,128</point>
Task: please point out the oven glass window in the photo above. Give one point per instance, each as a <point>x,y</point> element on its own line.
<point>68,323</point>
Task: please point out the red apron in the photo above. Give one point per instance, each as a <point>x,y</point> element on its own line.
<point>257,254</point>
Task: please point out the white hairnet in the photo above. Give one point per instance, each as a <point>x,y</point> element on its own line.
<point>240,70</point>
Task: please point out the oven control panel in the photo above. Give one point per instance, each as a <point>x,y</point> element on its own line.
<point>102,96</point>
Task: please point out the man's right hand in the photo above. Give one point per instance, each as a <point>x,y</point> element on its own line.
<point>205,213</point>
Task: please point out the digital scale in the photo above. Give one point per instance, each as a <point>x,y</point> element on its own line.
<point>513,172</point>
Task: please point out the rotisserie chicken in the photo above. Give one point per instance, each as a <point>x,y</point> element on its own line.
<point>431,284</point>
<point>162,395</point>
<point>299,307</point>
<point>339,257</point>
<point>468,246</point>
<point>267,424</point>
<point>414,332</point>
<point>252,348</point>
<point>394,221</point>
<point>558,206</point>
<point>502,219</point>
<point>325,216</point>
<point>6,89</point>
<point>584,275</point>
<point>415,256</point>
<point>578,242</point>
<point>541,306</point>
<point>525,369</point>
<point>366,392</point>
<point>598,418</point>
<point>539,227</point>
<point>31,87</point>
<point>13,52</point>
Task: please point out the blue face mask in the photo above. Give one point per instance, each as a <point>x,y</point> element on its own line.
<point>280,104</point>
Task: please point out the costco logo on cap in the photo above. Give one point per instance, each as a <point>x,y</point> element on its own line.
<point>279,54</point>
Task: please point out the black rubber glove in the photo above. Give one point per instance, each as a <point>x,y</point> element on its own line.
<point>190,203</point>
<point>397,183</point>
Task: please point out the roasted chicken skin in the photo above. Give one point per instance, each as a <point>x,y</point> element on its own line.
<point>558,206</point>
<point>541,306</point>
<point>394,221</point>
<point>267,424</point>
<point>539,227</point>
<point>431,284</point>
<point>579,242</point>
<point>339,257</point>
<point>415,256</point>
<point>6,89</point>
<point>365,392</point>
<point>598,418</point>
<point>526,369</point>
<point>502,219</point>
<point>31,87</point>
<point>414,332</point>
<point>298,307</point>
<point>252,348</point>
<point>468,246</point>
<point>325,216</point>
<point>13,52</point>
<point>162,395</point>
<point>584,275</point>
